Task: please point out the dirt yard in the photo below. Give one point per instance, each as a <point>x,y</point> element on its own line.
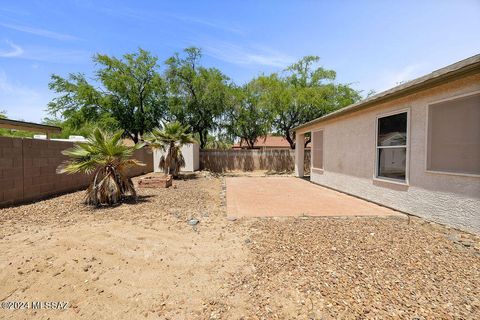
<point>143,260</point>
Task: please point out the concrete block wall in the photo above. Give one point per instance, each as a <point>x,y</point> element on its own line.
<point>11,170</point>
<point>28,170</point>
<point>40,161</point>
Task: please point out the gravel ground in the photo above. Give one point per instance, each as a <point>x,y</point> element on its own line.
<point>361,268</point>
<point>142,259</point>
<point>192,196</point>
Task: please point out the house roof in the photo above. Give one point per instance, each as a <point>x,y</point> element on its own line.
<point>28,126</point>
<point>268,142</point>
<point>464,67</point>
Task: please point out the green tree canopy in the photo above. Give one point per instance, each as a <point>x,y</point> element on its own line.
<point>246,118</point>
<point>127,94</point>
<point>303,93</point>
<point>197,94</point>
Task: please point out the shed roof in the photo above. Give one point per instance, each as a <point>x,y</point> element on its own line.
<point>461,68</point>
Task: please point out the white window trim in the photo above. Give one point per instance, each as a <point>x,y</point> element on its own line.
<point>427,136</point>
<point>407,147</point>
<point>323,150</point>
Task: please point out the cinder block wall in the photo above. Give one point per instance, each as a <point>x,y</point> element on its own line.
<point>28,169</point>
<point>11,170</point>
<point>273,160</point>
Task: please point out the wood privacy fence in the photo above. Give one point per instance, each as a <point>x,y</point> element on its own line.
<point>273,160</point>
<point>28,169</point>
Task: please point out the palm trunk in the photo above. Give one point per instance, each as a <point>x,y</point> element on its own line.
<point>170,158</point>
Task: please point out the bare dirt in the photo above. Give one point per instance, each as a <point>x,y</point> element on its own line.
<point>144,260</point>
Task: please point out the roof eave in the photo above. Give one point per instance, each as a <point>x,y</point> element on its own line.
<point>435,78</point>
<point>28,126</point>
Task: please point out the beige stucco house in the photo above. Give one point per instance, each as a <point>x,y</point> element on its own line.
<point>414,148</point>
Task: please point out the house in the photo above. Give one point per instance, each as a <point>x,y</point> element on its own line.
<point>414,148</point>
<point>29,126</point>
<point>266,142</point>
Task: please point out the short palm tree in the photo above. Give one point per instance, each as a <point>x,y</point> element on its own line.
<point>170,140</point>
<point>106,158</point>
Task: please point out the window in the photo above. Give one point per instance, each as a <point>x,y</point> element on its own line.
<point>317,149</point>
<point>392,147</point>
<point>453,143</point>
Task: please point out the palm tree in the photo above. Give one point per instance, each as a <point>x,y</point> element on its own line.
<point>170,140</point>
<point>106,158</point>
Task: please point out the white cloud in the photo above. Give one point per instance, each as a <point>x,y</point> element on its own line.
<point>45,54</point>
<point>389,78</point>
<point>55,55</point>
<point>403,75</point>
<point>13,51</point>
<point>211,24</point>
<point>148,16</point>
<point>22,102</point>
<point>38,32</point>
<point>248,56</point>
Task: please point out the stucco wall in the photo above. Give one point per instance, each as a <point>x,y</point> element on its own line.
<point>349,162</point>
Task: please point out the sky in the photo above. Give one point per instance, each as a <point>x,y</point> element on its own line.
<point>372,45</point>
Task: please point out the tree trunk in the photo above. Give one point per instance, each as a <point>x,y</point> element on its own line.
<point>170,158</point>
<point>250,143</point>
<point>290,139</point>
<point>307,142</point>
<point>135,138</point>
<point>203,139</point>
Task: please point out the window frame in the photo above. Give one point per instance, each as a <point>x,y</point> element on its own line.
<point>427,135</point>
<point>407,148</point>
<point>323,150</point>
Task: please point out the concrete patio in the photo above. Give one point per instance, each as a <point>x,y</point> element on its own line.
<point>289,196</point>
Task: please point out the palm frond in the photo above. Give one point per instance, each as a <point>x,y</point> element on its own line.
<point>106,156</point>
<point>170,140</point>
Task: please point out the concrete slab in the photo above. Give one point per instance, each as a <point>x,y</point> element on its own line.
<point>290,196</point>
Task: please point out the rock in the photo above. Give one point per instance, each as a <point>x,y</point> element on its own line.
<point>193,222</point>
<point>232,218</point>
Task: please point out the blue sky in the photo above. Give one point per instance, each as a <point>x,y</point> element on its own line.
<point>371,44</point>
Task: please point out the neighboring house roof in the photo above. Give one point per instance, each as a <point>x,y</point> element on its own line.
<point>28,126</point>
<point>464,67</point>
<point>267,142</point>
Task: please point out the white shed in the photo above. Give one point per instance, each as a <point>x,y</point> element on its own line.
<point>191,153</point>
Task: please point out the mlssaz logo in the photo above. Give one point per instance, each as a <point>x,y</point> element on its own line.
<point>58,305</point>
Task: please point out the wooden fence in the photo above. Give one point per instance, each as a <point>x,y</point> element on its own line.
<point>272,160</point>
<point>28,169</point>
